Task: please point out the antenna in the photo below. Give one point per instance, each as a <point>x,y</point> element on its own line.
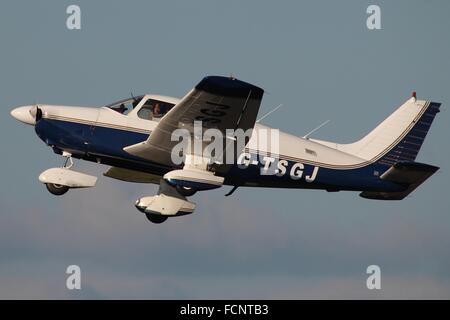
<point>268,113</point>
<point>306,136</point>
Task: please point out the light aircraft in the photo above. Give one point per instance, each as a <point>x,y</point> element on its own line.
<point>134,137</point>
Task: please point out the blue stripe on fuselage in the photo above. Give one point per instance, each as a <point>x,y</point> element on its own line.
<point>87,138</point>
<point>107,144</point>
<point>298,175</point>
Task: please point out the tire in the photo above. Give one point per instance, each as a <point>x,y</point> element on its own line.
<point>155,218</point>
<point>56,189</point>
<point>184,191</point>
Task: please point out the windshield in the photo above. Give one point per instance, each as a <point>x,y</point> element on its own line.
<point>126,105</point>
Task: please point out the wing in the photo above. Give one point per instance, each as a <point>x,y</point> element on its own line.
<point>218,102</point>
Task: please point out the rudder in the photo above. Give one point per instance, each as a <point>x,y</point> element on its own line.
<point>408,146</point>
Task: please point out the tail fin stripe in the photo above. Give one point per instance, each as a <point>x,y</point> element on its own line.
<point>405,154</point>
<point>411,141</point>
<point>416,137</point>
<point>402,136</point>
<point>424,132</point>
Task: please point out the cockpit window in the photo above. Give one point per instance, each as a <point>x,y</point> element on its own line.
<point>154,109</point>
<point>125,106</point>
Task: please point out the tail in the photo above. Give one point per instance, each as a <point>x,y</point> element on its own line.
<point>395,143</point>
<point>398,138</point>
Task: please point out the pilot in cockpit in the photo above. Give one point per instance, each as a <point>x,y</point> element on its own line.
<point>156,111</point>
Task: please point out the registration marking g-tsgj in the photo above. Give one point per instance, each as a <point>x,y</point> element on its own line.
<point>278,167</point>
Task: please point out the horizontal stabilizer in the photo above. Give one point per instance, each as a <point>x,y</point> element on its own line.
<point>411,174</point>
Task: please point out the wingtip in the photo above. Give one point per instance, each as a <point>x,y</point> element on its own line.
<point>228,86</point>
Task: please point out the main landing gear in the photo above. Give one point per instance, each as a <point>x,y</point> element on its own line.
<point>186,191</point>
<point>156,218</point>
<point>175,186</point>
<point>167,203</point>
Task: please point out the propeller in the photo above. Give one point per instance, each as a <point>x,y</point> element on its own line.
<point>36,112</point>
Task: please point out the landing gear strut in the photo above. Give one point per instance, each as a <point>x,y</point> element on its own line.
<point>68,163</point>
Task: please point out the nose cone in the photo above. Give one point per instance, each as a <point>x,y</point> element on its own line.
<point>24,115</point>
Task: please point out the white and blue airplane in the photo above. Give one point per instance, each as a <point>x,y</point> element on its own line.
<point>133,136</point>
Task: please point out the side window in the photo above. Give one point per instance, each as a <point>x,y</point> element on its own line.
<point>154,110</point>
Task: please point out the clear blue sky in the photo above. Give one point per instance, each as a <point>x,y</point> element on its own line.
<point>315,57</point>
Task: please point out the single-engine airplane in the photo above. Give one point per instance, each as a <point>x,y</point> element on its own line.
<point>135,137</point>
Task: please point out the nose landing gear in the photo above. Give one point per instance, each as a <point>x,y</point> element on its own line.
<point>59,189</point>
<point>59,180</point>
<point>56,189</point>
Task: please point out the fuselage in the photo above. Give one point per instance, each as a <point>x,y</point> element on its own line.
<point>101,134</point>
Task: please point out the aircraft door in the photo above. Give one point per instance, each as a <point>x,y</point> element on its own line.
<point>88,134</point>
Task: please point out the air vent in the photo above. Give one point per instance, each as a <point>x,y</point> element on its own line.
<point>311,152</point>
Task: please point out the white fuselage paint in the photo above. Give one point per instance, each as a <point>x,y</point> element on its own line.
<point>290,147</point>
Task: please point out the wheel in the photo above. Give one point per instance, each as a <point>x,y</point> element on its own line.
<point>156,218</point>
<point>185,191</point>
<point>56,189</point>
